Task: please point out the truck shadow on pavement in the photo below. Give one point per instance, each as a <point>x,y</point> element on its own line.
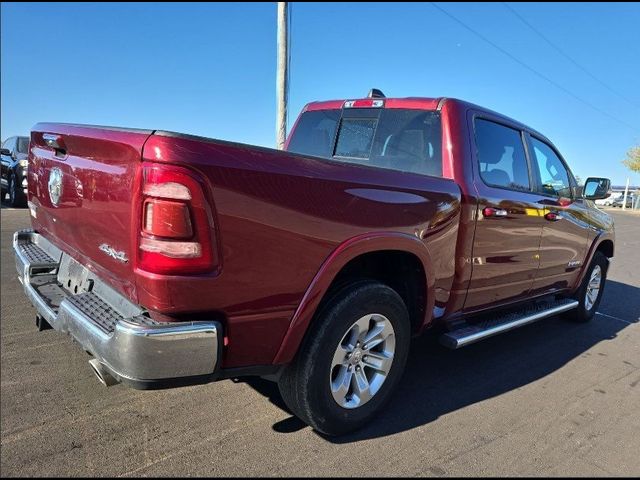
<point>438,381</point>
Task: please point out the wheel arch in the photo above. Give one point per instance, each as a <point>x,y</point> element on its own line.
<point>363,251</point>
<point>604,243</point>
<point>606,247</point>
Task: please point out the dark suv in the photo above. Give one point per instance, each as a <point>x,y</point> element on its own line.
<point>14,170</point>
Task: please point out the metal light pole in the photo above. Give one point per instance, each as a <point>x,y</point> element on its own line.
<point>282,87</point>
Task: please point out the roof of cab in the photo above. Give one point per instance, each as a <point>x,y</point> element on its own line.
<point>422,103</point>
<point>408,102</point>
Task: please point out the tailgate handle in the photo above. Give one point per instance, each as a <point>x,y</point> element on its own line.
<point>54,140</point>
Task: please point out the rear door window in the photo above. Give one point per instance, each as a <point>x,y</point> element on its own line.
<point>501,156</point>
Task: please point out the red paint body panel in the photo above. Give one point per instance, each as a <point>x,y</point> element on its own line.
<point>283,225</point>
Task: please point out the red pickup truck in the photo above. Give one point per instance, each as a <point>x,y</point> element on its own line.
<point>176,259</point>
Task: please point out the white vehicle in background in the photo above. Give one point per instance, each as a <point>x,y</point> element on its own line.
<point>620,201</point>
<point>610,200</point>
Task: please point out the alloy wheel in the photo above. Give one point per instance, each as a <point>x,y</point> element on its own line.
<point>362,360</point>
<point>593,288</point>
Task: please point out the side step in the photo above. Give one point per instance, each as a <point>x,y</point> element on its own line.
<point>470,333</point>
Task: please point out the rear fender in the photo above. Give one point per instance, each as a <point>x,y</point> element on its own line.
<point>342,255</point>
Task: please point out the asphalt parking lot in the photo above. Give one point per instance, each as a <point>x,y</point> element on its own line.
<point>553,398</point>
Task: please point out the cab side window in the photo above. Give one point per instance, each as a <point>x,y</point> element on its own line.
<point>501,156</point>
<point>553,176</point>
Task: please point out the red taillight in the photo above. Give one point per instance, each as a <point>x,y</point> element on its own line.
<point>164,218</point>
<point>176,228</point>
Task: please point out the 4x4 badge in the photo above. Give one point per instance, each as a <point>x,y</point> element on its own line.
<point>113,253</point>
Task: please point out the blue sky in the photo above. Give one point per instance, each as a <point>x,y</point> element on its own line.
<point>209,69</point>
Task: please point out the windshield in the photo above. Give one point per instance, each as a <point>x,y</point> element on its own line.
<point>398,139</point>
<point>23,144</point>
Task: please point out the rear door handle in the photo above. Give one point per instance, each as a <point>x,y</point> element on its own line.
<point>494,212</point>
<point>552,216</point>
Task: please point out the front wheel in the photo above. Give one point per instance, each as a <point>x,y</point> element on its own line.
<point>590,292</point>
<point>351,360</point>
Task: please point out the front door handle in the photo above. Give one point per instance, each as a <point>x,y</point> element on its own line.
<point>552,216</point>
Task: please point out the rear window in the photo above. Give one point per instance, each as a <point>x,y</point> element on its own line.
<point>315,132</point>
<point>398,139</point>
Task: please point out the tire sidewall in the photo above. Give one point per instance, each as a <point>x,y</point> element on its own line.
<point>368,298</point>
<point>582,313</point>
<point>13,194</point>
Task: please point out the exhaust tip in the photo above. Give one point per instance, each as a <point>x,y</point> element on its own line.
<point>101,372</point>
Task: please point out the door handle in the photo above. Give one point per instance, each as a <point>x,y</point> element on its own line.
<point>552,216</point>
<point>494,212</point>
<point>55,141</point>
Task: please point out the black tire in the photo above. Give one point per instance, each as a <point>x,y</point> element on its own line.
<point>582,313</point>
<point>305,384</point>
<point>17,198</point>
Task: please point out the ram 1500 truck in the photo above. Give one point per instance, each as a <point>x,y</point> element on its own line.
<point>176,259</point>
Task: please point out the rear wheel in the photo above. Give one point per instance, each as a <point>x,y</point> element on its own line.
<point>351,360</point>
<point>590,292</point>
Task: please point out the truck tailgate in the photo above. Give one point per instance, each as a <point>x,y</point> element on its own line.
<point>82,195</point>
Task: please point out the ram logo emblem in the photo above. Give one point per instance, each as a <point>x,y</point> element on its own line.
<point>55,185</point>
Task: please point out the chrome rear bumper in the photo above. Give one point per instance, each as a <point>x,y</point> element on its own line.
<point>133,348</point>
